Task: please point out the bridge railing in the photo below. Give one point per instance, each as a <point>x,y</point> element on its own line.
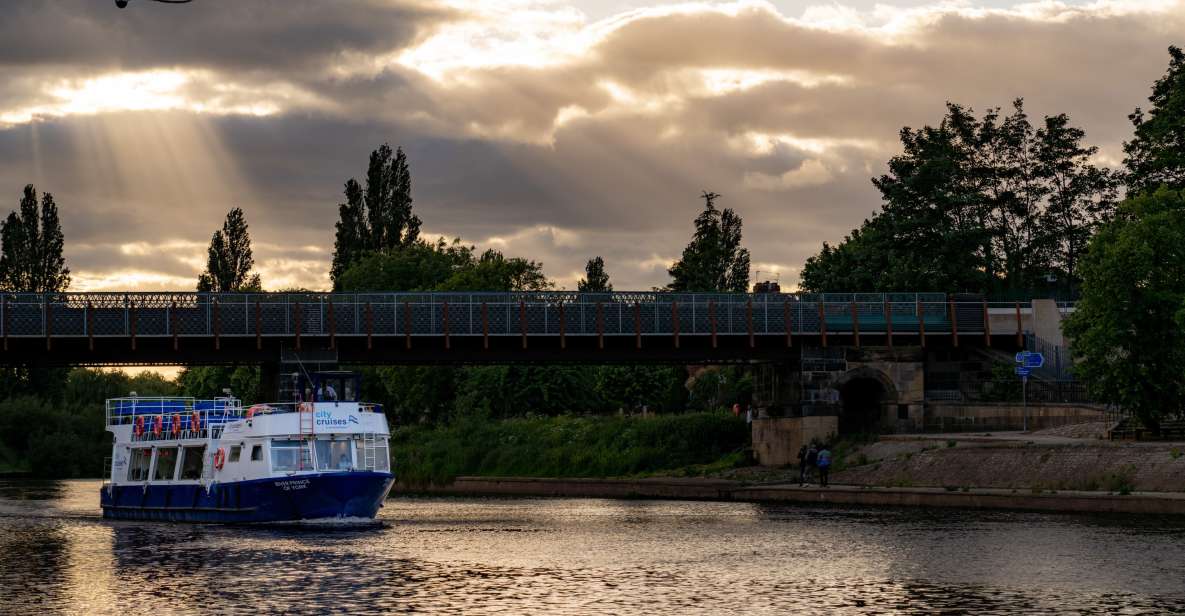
<point>476,314</point>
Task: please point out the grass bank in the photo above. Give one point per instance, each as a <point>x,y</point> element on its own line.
<point>569,447</point>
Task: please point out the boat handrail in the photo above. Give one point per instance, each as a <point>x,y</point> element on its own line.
<point>276,408</point>
<point>193,416</point>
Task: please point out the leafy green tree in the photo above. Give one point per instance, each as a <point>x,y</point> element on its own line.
<point>1081,196</point>
<point>417,267</point>
<point>976,205</point>
<point>659,388</point>
<point>721,387</point>
<point>352,233</point>
<point>1128,330</point>
<point>518,390</point>
<point>378,218</point>
<point>595,279</point>
<point>865,260</point>
<point>31,243</point>
<point>209,381</point>
<point>493,271</point>
<point>714,260</point>
<point>1156,155</point>
<point>413,394</point>
<point>933,212</point>
<point>230,260</point>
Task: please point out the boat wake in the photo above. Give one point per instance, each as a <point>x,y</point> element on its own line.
<point>333,522</point>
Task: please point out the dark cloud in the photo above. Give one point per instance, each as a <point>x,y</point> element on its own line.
<point>265,35</point>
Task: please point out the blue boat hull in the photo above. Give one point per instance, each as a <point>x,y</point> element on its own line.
<point>275,499</point>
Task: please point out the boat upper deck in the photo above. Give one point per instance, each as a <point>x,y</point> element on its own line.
<point>180,418</point>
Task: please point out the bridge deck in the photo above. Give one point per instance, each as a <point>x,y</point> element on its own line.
<point>224,318</point>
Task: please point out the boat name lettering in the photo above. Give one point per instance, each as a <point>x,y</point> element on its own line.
<point>289,485</point>
<point>326,418</point>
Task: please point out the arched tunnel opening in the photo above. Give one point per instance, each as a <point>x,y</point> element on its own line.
<point>862,399</point>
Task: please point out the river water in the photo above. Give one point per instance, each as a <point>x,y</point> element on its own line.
<point>568,556</point>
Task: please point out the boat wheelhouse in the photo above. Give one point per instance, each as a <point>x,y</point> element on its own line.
<point>182,459</point>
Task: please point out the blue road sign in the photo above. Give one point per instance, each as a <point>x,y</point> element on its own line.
<point>1023,371</point>
<point>1030,359</point>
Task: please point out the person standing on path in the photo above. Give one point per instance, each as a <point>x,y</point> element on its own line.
<point>812,458</point>
<point>802,466</point>
<point>824,462</point>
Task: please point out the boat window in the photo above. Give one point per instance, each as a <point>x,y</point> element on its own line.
<point>139,464</point>
<point>191,464</point>
<point>333,455</point>
<point>257,453</point>
<point>290,456</point>
<point>235,451</point>
<point>381,458</point>
<point>166,464</point>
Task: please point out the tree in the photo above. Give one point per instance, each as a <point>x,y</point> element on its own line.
<point>229,261</point>
<point>209,381</point>
<point>517,390</point>
<point>493,271</point>
<point>31,244</point>
<point>1156,155</point>
<point>418,267</point>
<point>352,233</point>
<point>442,267</point>
<point>1081,195</point>
<point>714,260</point>
<point>595,279</point>
<point>975,205</point>
<point>1128,330</point>
<point>627,387</point>
<point>378,218</point>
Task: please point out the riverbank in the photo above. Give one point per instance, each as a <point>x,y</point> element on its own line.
<point>1155,503</point>
<point>596,446</point>
<point>1066,469</point>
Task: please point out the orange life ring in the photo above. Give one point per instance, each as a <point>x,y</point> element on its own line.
<point>158,425</point>
<point>196,422</point>
<point>219,458</point>
<point>139,429</point>
<point>175,428</point>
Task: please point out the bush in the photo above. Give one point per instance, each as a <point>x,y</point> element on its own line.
<point>565,446</point>
<point>1122,481</point>
<point>51,441</point>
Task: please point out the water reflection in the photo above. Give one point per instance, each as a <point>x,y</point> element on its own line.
<point>586,556</point>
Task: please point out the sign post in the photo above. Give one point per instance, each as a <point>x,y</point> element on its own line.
<point>1026,361</point>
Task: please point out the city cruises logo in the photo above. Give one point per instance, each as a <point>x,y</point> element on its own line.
<point>327,420</point>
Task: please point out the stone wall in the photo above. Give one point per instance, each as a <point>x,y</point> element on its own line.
<point>1006,416</point>
<point>776,440</point>
<point>1084,465</point>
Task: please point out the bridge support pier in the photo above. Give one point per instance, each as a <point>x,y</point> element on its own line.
<point>269,380</point>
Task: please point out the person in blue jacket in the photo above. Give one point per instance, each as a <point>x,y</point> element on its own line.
<point>824,464</point>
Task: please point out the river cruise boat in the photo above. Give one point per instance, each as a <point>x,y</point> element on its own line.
<point>187,460</point>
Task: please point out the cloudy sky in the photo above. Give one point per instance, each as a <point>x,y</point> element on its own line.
<point>552,130</point>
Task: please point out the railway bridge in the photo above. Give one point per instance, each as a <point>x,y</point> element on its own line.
<point>138,328</point>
